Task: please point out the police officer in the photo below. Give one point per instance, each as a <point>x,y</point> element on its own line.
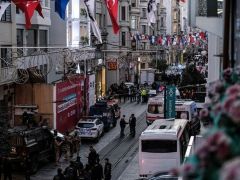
<point>132,124</point>
<point>122,126</point>
<point>107,170</point>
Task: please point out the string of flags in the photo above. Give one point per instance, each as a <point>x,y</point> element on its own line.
<point>29,6</point>
<point>199,39</point>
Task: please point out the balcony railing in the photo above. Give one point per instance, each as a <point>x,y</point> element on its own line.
<point>6,75</point>
<point>210,8</point>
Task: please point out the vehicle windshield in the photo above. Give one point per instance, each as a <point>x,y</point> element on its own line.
<point>159,146</point>
<point>155,108</point>
<point>16,140</point>
<point>85,125</point>
<point>182,115</point>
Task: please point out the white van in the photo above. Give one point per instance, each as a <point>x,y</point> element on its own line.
<point>162,146</point>
<point>155,109</point>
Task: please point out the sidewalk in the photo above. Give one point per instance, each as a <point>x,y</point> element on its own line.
<point>132,170</point>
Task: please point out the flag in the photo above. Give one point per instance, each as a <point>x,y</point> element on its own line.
<point>90,10</point>
<point>183,1</point>
<point>3,7</point>
<point>60,8</point>
<point>159,41</point>
<point>151,8</point>
<point>28,7</point>
<point>112,6</point>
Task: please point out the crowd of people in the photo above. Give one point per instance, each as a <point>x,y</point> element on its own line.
<point>66,146</point>
<point>93,170</point>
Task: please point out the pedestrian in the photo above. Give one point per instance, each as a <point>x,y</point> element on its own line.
<point>60,175</point>
<point>57,147</point>
<point>27,168</point>
<point>65,148</point>
<point>92,156</point>
<point>76,142</point>
<point>122,126</point>
<point>1,164</point>
<point>97,171</point>
<point>107,170</point>
<point>79,165</point>
<point>132,124</point>
<point>71,172</point>
<point>70,143</point>
<point>7,169</point>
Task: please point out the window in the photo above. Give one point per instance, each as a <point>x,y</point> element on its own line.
<point>143,65</point>
<point>123,38</point>
<point>20,37</point>
<point>123,14</point>
<point>99,20</point>
<point>144,12</point>
<point>43,39</point>
<point>6,17</point>
<point>155,109</point>
<point>162,21</point>
<point>134,3</point>
<point>46,3</point>
<point>159,146</point>
<point>31,39</point>
<point>134,22</point>
<point>144,29</point>
<point>182,115</point>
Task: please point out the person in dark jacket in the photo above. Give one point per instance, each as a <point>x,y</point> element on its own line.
<point>71,172</point>
<point>107,170</point>
<point>79,165</point>
<point>132,124</point>
<point>7,169</point>
<point>59,175</point>
<point>122,126</point>
<point>97,171</point>
<point>92,156</point>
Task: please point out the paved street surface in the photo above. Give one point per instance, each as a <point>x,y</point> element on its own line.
<point>119,151</point>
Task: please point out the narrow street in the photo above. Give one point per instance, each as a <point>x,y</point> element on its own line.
<point>119,151</point>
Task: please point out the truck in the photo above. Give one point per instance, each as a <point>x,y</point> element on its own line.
<point>147,76</point>
<point>30,145</point>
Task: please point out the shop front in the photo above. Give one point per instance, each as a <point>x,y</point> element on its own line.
<point>100,81</point>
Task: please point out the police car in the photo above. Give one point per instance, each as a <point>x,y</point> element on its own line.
<point>90,128</point>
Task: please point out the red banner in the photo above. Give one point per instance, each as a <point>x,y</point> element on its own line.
<point>69,103</point>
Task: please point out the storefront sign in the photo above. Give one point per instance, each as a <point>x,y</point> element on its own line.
<point>170,98</point>
<point>112,65</point>
<point>68,104</point>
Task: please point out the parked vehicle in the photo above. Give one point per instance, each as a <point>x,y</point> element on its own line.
<point>90,128</point>
<point>162,146</point>
<point>32,145</point>
<point>102,109</point>
<point>184,110</point>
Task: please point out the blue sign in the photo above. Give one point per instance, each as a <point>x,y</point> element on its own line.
<point>169,102</point>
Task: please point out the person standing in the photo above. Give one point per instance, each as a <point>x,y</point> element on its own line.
<point>60,175</point>
<point>92,156</point>
<point>7,169</point>
<point>107,170</point>
<point>132,124</point>
<point>57,147</point>
<point>76,142</point>
<point>122,126</point>
<point>97,171</point>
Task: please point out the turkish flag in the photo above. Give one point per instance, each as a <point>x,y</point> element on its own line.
<point>183,1</point>
<point>28,7</point>
<point>112,6</point>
